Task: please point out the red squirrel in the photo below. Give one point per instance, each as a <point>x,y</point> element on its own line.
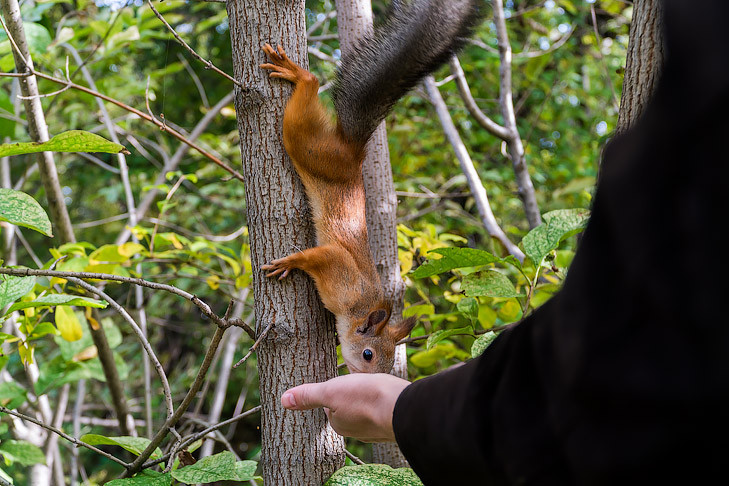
<point>416,39</point>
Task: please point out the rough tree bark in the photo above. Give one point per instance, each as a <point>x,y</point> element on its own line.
<point>354,20</point>
<point>298,448</point>
<point>644,61</point>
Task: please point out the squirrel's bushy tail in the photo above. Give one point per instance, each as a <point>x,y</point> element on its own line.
<point>416,39</point>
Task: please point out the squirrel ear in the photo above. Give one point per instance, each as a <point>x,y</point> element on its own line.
<point>375,321</point>
<point>402,329</point>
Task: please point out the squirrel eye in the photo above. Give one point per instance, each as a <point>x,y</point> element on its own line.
<point>367,355</point>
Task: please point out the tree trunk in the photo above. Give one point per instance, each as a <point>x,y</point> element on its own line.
<point>298,448</point>
<point>354,20</point>
<point>644,61</point>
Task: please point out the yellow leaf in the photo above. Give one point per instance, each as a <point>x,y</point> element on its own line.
<point>57,281</point>
<point>509,311</point>
<point>86,354</point>
<point>90,318</point>
<point>406,261</point>
<point>26,353</point>
<point>213,281</point>
<point>68,324</point>
<point>130,249</point>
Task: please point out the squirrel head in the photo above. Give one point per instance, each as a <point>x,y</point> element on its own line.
<point>368,343</point>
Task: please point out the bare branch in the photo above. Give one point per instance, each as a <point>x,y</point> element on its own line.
<point>255,345</point>
<point>140,114</point>
<point>516,148</point>
<point>477,189</point>
<point>136,465</point>
<point>208,64</point>
<point>608,80</point>
<point>140,335</point>
<point>491,126</point>
<point>55,430</point>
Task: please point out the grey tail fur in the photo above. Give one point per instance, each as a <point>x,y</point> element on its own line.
<point>417,37</point>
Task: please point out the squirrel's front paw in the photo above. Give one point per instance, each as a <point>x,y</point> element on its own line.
<point>280,66</point>
<point>278,267</point>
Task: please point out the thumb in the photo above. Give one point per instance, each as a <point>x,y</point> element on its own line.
<point>304,397</point>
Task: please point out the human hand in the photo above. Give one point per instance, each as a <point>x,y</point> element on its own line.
<point>359,405</point>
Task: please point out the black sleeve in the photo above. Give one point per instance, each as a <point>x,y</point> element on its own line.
<point>623,377</point>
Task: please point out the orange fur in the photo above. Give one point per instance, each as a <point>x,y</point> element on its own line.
<point>330,168</point>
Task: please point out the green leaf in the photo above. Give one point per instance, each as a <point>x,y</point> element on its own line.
<point>37,37</point>
<point>147,477</point>
<point>7,126</point>
<point>58,372</point>
<point>481,343</point>
<point>218,467</point>
<point>12,288</point>
<point>12,395</point>
<point>20,209</point>
<point>468,306</point>
<point>445,334</point>
<point>426,359</point>
<point>246,470</point>
<point>50,300</point>
<point>70,141</point>
<point>135,445</point>
<point>557,226</point>
<point>373,475</point>
<point>43,329</point>
<point>22,452</point>
<point>419,310</point>
<point>453,258</point>
<point>489,283</point>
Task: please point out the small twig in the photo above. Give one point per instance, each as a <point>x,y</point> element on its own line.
<point>616,103</point>
<point>137,464</point>
<point>208,64</point>
<point>73,440</point>
<point>196,80</point>
<point>192,438</point>
<point>255,345</point>
<point>354,458</point>
<point>329,15</point>
<point>421,195</point>
<point>205,308</point>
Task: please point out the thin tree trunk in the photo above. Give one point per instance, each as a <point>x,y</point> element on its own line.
<point>644,61</point>
<point>297,448</point>
<point>514,143</point>
<point>37,123</point>
<point>464,159</point>
<point>354,20</point>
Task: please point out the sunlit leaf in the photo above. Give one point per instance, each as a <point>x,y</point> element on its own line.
<point>373,475</point>
<point>135,445</point>
<point>12,288</point>
<point>452,258</point>
<point>489,283</point>
<point>481,343</point>
<point>218,467</point>
<point>70,141</point>
<point>20,209</point>
<point>22,452</point>
<point>49,300</point>
<point>68,324</point>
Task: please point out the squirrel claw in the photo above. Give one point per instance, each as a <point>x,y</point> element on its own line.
<point>277,267</point>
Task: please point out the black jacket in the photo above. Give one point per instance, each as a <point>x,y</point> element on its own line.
<point>623,377</point>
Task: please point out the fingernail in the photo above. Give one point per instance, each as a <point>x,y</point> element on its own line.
<point>288,400</point>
